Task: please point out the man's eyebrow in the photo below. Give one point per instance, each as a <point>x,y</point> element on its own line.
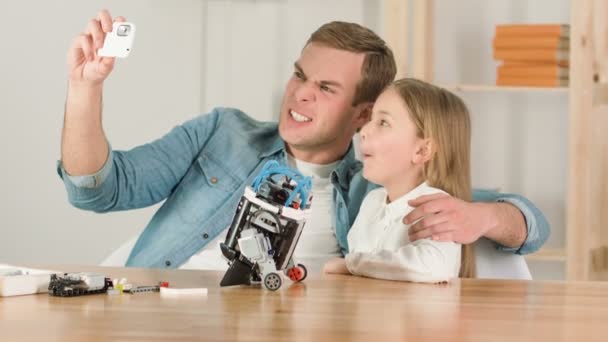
<point>332,83</point>
<point>336,84</point>
<point>297,66</point>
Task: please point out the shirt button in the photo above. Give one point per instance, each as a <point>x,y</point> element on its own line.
<point>205,236</point>
<point>167,263</point>
<point>213,180</point>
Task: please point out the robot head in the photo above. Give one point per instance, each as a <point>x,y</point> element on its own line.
<point>284,186</point>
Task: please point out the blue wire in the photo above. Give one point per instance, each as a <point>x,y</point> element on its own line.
<point>273,168</point>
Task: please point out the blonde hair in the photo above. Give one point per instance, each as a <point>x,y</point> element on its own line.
<point>379,67</point>
<point>442,117</point>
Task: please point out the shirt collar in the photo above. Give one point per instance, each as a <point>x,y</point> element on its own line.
<point>276,145</point>
<point>400,207</point>
<point>346,169</point>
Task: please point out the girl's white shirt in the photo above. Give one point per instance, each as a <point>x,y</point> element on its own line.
<point>380,247</point>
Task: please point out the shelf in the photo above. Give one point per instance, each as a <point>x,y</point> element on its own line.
<point>548,254</point>
<point>494,88</point>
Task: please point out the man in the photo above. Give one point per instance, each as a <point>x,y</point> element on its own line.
<point>202,166</point>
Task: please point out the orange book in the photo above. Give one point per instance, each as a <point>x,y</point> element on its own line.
<point>531,81</point>
<point>544,55</point>
<point>539,70</point>
<point>525,42</point>
<point>554,30</point>
<point>511,63</point>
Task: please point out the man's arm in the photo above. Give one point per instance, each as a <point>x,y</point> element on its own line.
<point>536,226</point>
<point>97,178</point>
<point>84,149</point>
<point>509,228</point>
<point>145,174</point>
<point>512,221</point>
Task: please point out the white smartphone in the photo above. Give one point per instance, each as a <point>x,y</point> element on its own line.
<point>119,42</point>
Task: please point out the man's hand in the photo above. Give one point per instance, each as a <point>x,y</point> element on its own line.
<point>442,217</point>
<point>336,266</point>
<point>83,63</point>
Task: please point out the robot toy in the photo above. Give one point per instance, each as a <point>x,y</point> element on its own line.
<point>266,227</point>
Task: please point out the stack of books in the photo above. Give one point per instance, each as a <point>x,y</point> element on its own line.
<point>532,55</point>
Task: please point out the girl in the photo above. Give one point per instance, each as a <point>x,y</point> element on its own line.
<point>416,143</point>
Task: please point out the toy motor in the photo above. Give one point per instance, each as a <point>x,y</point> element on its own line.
<point>266,228</point>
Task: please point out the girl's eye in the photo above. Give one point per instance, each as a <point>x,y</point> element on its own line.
<point>325,88</point>
<point>384,123</point>
<point>298,75</point>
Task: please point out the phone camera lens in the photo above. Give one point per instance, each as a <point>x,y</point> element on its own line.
<point>123,30</point>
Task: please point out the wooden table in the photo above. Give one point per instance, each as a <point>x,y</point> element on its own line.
<point>323,308</point>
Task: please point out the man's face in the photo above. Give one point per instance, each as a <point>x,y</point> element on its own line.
<point>317,116</point>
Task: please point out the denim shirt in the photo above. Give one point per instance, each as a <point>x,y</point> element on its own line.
<point>201,168</point>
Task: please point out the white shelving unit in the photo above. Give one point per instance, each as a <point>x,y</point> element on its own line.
<point>585,253</point>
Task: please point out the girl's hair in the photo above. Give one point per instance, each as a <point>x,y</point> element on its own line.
<point>442,117</point>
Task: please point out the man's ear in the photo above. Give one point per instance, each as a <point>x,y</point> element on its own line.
<point>424,151</point>
<point>363,114</point>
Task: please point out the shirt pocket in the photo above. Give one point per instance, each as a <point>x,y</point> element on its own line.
<point>216,174</point>
<point>206,190</point>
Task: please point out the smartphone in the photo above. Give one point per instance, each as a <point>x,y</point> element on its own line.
<point>118,43</point>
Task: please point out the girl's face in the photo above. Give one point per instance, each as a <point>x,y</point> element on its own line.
<point>389,143</point>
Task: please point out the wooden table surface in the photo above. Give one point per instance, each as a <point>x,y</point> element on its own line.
<point>323,308</point>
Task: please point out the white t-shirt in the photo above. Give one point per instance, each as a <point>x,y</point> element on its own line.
<point>380,247</point>
<point>317,242</point>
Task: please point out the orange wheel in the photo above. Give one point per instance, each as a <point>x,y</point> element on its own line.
<point>295,273</point>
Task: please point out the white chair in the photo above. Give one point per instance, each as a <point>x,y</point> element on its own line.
<point>119,257</point>
<point>495,264</point>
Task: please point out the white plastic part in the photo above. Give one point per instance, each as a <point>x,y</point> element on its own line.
<point>294,214</point>
<point>253,247</point>
<point>30,281</point>
<point>11,272</point>
<point>94,281</point>
<point>170,291</point>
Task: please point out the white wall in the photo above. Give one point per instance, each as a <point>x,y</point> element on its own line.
<point>252,46</point>
<point>191,56</point>
<point>158,86</point>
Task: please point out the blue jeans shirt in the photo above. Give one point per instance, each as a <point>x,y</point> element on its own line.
<point>201,169</point>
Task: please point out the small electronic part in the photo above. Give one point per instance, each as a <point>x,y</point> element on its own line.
<point>119,42</point>
<point>142,289</point>
<point>78,284</point>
